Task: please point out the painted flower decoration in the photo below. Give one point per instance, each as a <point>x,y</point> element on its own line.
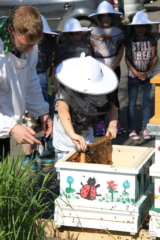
<point>112,185</point>
<point>126,184</point>
<point>156,197</point>
<point>159,190</point>
<point>70,180</point>
<point>158,148</point>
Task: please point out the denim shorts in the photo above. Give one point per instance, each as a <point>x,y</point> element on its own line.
<point>60,154</point>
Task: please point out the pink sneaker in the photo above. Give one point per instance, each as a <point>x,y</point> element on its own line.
<point>145,135</point>
<point>133,135</point>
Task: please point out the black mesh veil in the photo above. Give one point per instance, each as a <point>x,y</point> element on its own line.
<point>86,104</point>
<point>85,110</point>
<point>110,41</point>
<point>153,29</point>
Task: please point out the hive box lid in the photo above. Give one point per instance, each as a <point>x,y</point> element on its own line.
<point>127,159</point>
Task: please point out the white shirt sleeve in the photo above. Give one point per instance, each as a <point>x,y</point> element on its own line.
<point>15,94</point>
<point>6,124</point>
<point>35,103</point>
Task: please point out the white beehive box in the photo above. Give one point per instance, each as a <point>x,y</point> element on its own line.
<point>154,130</point>
<point>154,171</point>
<point>112,194</point>
<point>154,222</point>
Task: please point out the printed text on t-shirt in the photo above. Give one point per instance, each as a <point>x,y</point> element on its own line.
<point>141,54</point>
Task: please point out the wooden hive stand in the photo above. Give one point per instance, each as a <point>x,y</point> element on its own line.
<point>71,233</point>
<point>156,118</point>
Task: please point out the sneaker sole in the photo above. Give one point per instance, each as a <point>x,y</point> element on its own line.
<point>45,164</point>
<point>135,139</point>
<point>147,138</point>
<point>134,136</point>
<point>35,170</point>
<point>32,170</point>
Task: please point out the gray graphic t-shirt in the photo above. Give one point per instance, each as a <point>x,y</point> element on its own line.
<point>139,53</point>
<point>64,51</point>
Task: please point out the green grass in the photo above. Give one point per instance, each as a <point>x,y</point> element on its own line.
<point>22,201</point>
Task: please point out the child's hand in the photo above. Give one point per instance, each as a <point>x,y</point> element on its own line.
<point>79,141</point>
<point>112,131</point>
<point>137,74</point>
<point>143,75</point>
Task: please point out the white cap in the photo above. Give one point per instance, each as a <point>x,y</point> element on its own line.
<point>104,8</point>
<point>73,25</point>
<point>92,77</point>
<point>46,28</point>
<point>141,18</point>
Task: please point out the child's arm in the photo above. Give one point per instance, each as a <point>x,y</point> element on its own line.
<point>54,80</point>
<point>65,118</point>
<point>144,75</point>
<point>113,118</point>
<point>130,66</point>
<point>118,58</point>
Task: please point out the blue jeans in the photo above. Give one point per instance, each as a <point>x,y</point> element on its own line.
<point>133,85</point>
<point>44,85</point>
<point>48,98</point>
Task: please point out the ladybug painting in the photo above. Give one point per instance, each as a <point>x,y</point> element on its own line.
<point>88,191</point>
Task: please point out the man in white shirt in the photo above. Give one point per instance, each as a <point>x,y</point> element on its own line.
<point>19,83</point>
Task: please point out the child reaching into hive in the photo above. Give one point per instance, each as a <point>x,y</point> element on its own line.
<point>107,41</point>
<point>81,101</point>
<point>141,57</point>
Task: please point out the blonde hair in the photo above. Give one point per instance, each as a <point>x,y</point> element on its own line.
<point>27,20</point>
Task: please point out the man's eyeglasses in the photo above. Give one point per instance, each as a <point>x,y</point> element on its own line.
<point>26,45</point>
